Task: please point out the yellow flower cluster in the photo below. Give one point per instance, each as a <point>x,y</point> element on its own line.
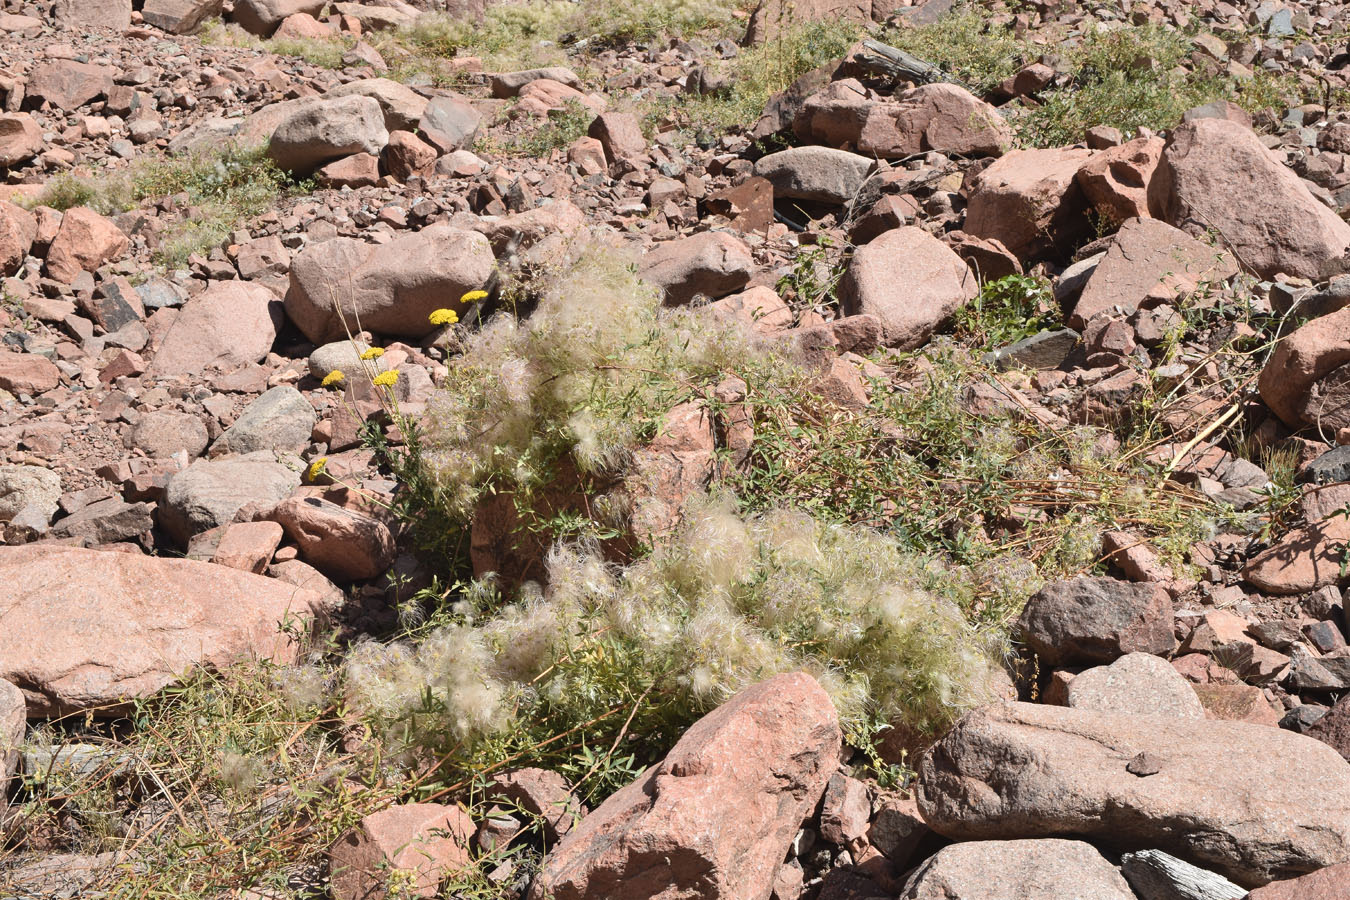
<point>334,377</point>
<point>373,353</point>
<point>316,468</point>
<point>385,379</point>
<point>444,317</point>
<point>473,297</point>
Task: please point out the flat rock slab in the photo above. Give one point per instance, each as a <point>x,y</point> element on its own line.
<point>1250,802</point>
<point>89,629</point>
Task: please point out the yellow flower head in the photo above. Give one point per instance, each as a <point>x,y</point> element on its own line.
<point>473,297</point>
<point>444,317</point>
<point>373,353</point>
<point>385,379</point>
<point>334,377</point>
<point>316,468</point>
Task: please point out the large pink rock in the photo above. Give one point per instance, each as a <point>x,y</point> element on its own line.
<point>27,373</point>
<point>1325,884</point>
<point>386,288</point>
<point>1307,558</point>
<point>341,543</point>
<point>80,14</point>
<point>179,16</point>
<point>716,818</point>
<point>68,84</point>
<point>228,325</point>
<point>940,117</point>
<point>1252,802</point>
<point>84,242</point>
<point>261,17</point>
<point>712,264</point>
<point>1029,200</point>
<point>772,18</point>
<point>1316,351</point>
<point>1149,263</point>
<point>1217,175</point>
<point>20,139</point>
<point>88,629</point>
<point>425,841</point>
<point>18,229</point>
<point>909,280</point>
<point>1116,180</point>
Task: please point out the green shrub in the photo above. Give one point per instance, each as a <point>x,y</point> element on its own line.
<point>967,47</point>
<point>1130,78</point>
<point>563,127</point>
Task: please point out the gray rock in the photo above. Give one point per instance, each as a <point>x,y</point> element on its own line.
<point>1251,802</point>
<point>999,870</point>
<point>1137,683</point>
<point>344,357</point>
<point>819,174</point>
<point>449,123</point>
<point>1086,621</point>
<point>28,486</point>
<point>1329,468</point>
<point>107,521</point>
<point>1155,875</point>
<point>402,106</point>
<point>1073,279</point>
<point>1047,350</point>
<point>327,130</point>
<point>158,293</point>
<point>209,492</point>
<point>508,84</point>
<point>180,16</point>
<point>261,17</point>
<point>281,419</point>
<point>162,433</point>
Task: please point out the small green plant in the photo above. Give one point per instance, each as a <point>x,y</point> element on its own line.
<point>814,278</point>
<point>1006,310</point>
<point>564,126</point>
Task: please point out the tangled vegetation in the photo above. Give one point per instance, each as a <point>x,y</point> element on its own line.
<point>624,659</point>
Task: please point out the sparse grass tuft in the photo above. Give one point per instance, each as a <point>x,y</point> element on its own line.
<point>226,188</point>
<point>325,53</point>
<point>229,781</point>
